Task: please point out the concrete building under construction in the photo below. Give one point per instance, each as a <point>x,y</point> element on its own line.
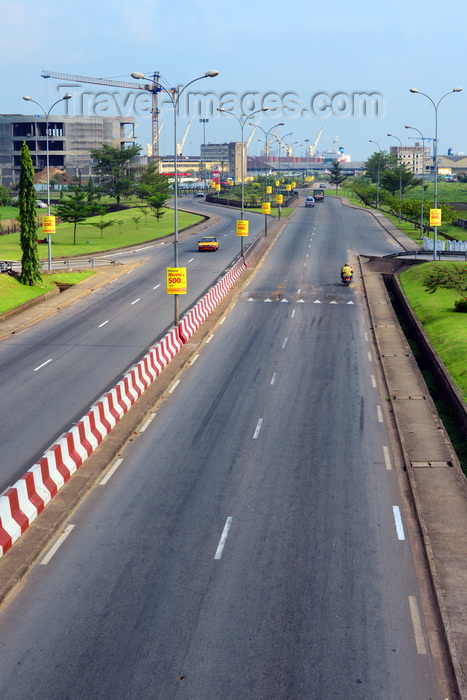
<point>70,142</point>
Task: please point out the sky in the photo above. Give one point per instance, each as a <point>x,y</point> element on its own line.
<point>313,64</point>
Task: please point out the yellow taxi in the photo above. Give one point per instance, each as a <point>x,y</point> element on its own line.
<point>208,243</point>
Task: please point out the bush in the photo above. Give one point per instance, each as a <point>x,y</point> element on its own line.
<point>461,305</point>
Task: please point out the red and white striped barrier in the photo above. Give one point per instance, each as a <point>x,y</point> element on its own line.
<point>21,503</point>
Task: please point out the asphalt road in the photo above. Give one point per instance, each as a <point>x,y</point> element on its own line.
<point>52,372</point>
<point>253,543</point>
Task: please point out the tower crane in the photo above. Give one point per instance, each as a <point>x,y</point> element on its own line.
<point>312,148</point>
<point>182,142</point>
<point>153,87</point>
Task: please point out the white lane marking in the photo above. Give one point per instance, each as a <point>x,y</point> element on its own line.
<point>370,359</point>
<point>209,338</point>
<point>373,381</point>
<point>147,423</point>
<point>157,286</point>
<point>43,365</point>
<point>285,342</point>
<point>273,380</point>
<point>193,359</point>
<point>387,457</point>
<point>293,313</point>
<point>102,324</point>
<point>191,260</point>
<point>417,625</point>
<point>379,414</point>
<point>258,428</point>
<point>222,321</point>
<point>298,291</point>
<point>135,301</point>
<point>57,545</point>
<point>174,386</point>
<point>398,521</point>
<point>111,471</point>
<point>225,532</point>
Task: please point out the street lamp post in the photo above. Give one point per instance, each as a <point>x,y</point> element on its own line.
<point>435,155</point>
<point>47,114</point>
<point>307,150</point>
<point>266,134</point>
<point>204,122</point>
<point>400,175</point>
<point>282,145</point>
<point>174,95</point>
<point>242,123</point>
<point>423,179</point>
<point>379,172</point>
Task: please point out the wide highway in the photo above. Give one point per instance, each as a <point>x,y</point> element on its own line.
<point>53,372</point>
<point>254,542</point>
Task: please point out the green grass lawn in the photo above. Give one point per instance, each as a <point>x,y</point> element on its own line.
<point>446,328</point>
<point>13,293</point>
<point>89,239</point>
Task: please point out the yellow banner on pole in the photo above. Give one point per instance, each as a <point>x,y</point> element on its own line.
<point>279,198</point>
<point>266,207</point>
<point>176,280</point>
<point>435,217</point>
<point>268,189</point>
<point>242,227</point>
<point>48,224</point>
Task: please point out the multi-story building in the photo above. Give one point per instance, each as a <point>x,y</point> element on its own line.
<point>229,157</point>
<point>70,142</point>
<point>417,158</point>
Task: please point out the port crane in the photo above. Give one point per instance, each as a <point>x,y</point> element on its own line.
<point>154,87</point>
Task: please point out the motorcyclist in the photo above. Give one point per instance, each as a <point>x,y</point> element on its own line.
<point>346,271</point>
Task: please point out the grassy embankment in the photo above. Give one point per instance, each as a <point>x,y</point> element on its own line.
<point>446,328</point>
<point>131,227</point>
<point>13,293</point>
<point>448,192</point>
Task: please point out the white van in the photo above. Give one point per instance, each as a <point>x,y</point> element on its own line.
<point>310,201</point>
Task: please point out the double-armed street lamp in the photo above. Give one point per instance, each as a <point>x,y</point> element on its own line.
<point>266,134</point>
<point>400,175</point>
<point>423,178</point>
<point>174,95</point>
<point>379,172</point>
<point>435,154</point>
<point>47,114</point>
<point>242,121</point>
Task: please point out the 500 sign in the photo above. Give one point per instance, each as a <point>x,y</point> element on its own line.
<point>176,280</point>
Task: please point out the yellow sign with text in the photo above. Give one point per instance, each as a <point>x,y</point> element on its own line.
<point>266,207</point>
<point>242,227</point>
<point>176,280</point>
<point>279,198</point>
<point>435,217</point>
<point>48,224</point>
<point>268,189</point>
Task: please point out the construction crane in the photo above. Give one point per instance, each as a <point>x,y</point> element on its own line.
<point>182,141</point>
<point>149,146</point>
<point>153,87</point>
<point>250,137</point>
<point>287,149</point>
<point>312,148</point>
